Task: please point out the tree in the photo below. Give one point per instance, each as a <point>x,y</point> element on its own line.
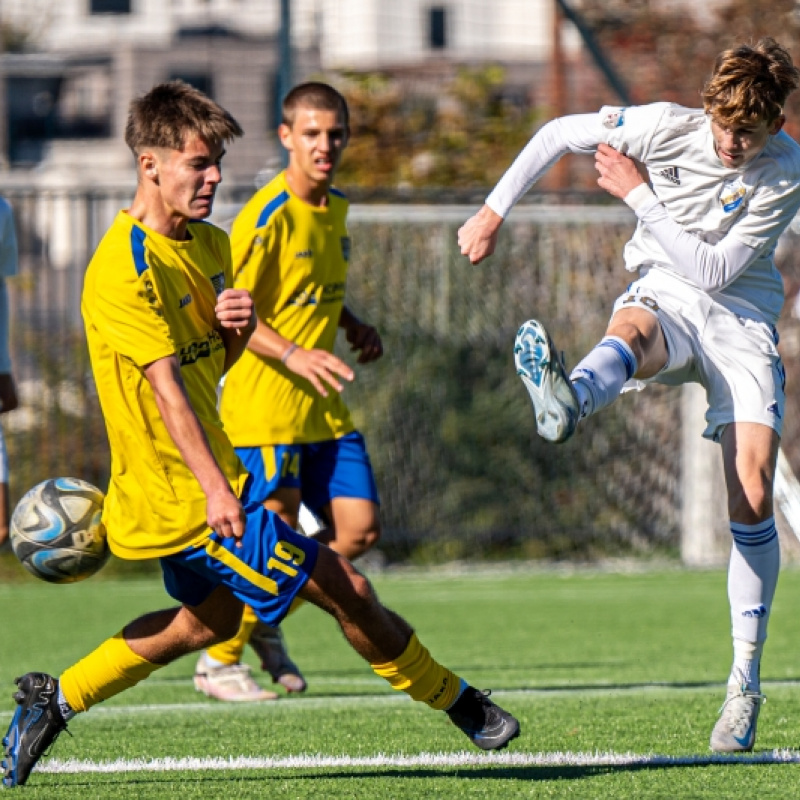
<point>462,132</point>
<point>665,53</point>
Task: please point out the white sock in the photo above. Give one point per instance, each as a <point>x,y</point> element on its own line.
<point>745,669</point>
<point>599,377</point>
<point>64,707</point>
<point>752,578</point>
<point>213,662</point>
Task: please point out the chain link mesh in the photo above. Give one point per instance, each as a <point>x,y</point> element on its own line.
<point>448,424</point>
<point>451,432</point>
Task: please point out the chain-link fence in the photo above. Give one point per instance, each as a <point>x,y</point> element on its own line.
<point>448,424</point>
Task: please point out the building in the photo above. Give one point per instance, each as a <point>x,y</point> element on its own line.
<point>70,67</point>
<point>66,91</point>
<point>65,94</point>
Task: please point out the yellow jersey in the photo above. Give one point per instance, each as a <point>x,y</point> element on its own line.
<point>293,258</point>
<point>146,297</point>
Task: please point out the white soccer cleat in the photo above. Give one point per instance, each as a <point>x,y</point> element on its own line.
<point>735,731</point>
<point>231,683</point>
<point>555,403</point>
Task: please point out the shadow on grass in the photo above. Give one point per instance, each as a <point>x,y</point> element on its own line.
<point>577,688</point>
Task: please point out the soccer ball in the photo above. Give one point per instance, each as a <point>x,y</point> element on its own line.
<point>56,531</point>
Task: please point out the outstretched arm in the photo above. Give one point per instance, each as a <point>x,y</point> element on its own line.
<point>578,133</point>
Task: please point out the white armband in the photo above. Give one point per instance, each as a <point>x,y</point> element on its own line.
<point>641,198</point>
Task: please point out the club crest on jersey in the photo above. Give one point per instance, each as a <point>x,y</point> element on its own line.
<point>613,117</point>
<point>345,247</point>
<point>732,195</point>
<point>218,282</point>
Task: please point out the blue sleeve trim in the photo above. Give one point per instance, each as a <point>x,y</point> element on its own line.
<point>137,248</point>
<point>337,193</point>
<point>270,208</point>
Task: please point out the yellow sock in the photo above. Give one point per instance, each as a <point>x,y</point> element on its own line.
<point>416,673</point>
<point>230,652</point>
<point>109,670</point>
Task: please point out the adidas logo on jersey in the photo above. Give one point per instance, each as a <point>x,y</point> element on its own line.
<point>671,174</point>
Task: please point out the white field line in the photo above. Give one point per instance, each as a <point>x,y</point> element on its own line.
<point>445,760</point>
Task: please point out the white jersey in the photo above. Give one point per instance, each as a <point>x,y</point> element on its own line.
<point>753,204</point>
<point>749,208</point>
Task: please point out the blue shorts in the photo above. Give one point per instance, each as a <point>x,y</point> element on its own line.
<point>322,470</point>
<point>266,572</point>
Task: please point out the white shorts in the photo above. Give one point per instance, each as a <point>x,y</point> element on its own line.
<point>734,358</point>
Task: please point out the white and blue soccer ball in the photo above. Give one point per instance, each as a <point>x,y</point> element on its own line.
<point>56,531</point>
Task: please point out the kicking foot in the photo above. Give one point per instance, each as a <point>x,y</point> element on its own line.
<point>555,403</point>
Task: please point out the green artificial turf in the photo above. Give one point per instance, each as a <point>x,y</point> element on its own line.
<point>593,663</point>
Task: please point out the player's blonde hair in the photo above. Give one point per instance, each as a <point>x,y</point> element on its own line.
<point>314,94</point>
<point>750,83</point>
<point>171,111</point>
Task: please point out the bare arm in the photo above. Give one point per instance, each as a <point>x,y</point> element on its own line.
<point>362,337</point>
<point>236,312</point>
<point>477,237</point>
<point>318,367</point>
<point>8,390</point>
<point>8,393</point>
<point>223,510</point>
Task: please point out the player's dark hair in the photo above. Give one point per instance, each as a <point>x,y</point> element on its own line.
<point>314,94</point>
<point>170,111</point>
<point>750,83</point>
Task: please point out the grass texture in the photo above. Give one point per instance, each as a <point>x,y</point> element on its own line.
<point>616,677</point>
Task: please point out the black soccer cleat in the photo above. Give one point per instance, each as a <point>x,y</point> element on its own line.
<point>35,726</point>
<point>486,725</point>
